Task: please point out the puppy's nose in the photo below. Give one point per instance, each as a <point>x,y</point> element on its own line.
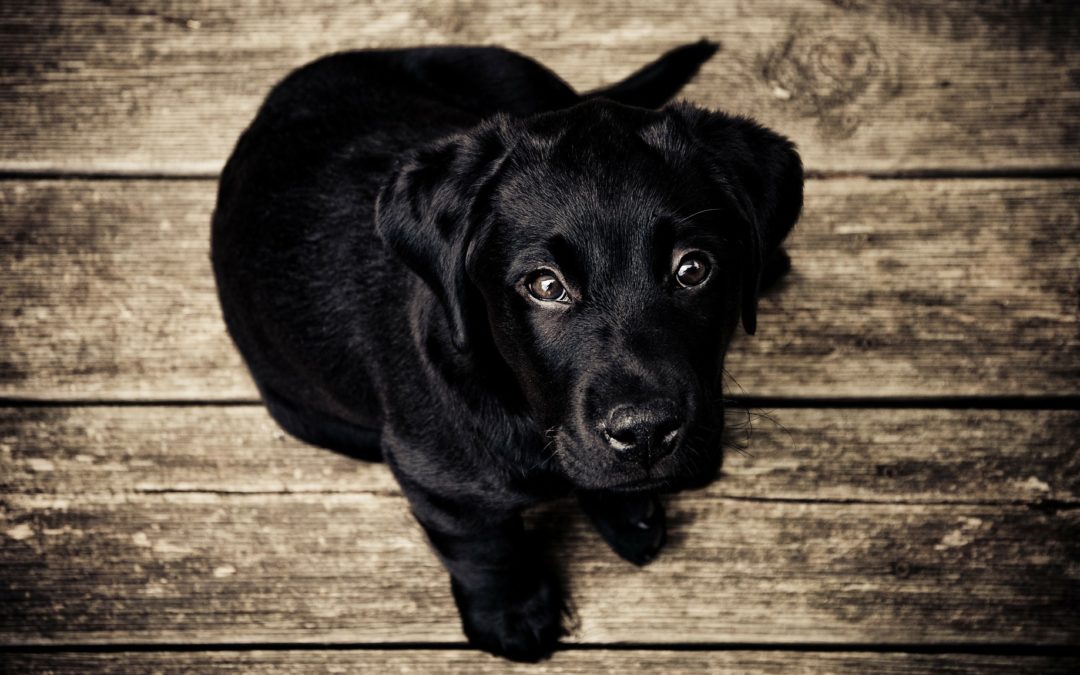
<point>644,432</point>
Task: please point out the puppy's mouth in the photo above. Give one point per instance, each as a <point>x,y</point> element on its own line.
<point>656,484</point>
<point>588,467</point>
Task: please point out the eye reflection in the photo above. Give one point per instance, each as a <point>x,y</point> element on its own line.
<point>692,269</point>
<point>546,287</point>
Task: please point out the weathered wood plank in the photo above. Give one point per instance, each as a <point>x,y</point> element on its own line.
<point>862,86</point>
<point>900,288</point>
<point>311,568</point>
<point>186,524</point>
<point>106,290</point>
<point>453,662</point>
<point>900,456</point>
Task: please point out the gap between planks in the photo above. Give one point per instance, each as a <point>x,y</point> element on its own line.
<point>13,173</point>
<point>453,658</point>
<point>1066,402</point>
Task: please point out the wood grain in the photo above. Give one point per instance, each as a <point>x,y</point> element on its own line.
<point>303,662</point>
<point>354,568</point>
<point>178,525</point>
<point>900,288</point>
<point>888,456</point>
<point>203,531</point>
<point>865,85</point>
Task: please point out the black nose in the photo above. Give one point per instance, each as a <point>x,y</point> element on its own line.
<point>644,432</point>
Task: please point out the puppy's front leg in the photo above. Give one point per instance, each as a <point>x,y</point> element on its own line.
<point>633,525</point>
<point>510,604</point>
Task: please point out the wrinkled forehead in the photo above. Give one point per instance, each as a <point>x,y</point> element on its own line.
<point>607,202</point>
<point>568,196</point>
<point>593,215</point>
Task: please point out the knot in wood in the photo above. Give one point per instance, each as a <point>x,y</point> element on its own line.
<point>833,77</point>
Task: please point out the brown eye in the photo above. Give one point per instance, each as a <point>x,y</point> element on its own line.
<point>692,269</point>
<point>545,286</point>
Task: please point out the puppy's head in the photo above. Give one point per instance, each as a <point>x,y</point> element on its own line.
<point>614,250</point>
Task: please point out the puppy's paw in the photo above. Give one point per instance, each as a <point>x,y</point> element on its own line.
<point>634,526</point>
<point>519,620</point>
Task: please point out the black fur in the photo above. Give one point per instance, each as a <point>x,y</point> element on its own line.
<point>376,229</point>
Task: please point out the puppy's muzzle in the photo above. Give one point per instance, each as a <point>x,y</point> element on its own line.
<point>643,433</point>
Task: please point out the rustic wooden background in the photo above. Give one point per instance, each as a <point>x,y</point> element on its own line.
<point>914,508</point>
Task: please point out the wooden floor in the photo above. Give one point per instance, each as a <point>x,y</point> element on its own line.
<point>907,503</point>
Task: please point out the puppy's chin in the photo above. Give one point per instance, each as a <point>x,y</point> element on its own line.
<point>589,467</point>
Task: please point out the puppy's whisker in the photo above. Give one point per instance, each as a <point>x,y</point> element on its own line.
<point>551,435</point>
<point>542,463</point>
<point>731,377</point>
<point>692,215</point>
<point>768,417</point>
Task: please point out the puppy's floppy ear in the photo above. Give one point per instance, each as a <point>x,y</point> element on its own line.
<point>763,172</point>
<point>429,212</point>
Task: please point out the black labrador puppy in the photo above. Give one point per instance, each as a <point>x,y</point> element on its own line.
<point>448,259</point>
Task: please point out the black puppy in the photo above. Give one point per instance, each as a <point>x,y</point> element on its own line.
<point>448,258</point>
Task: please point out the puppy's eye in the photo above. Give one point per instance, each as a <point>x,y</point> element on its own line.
<point>546,287</point>
<point>692,269</point>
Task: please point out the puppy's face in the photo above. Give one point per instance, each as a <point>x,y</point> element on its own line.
<point>612,285</point>
<point>614,255</point>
